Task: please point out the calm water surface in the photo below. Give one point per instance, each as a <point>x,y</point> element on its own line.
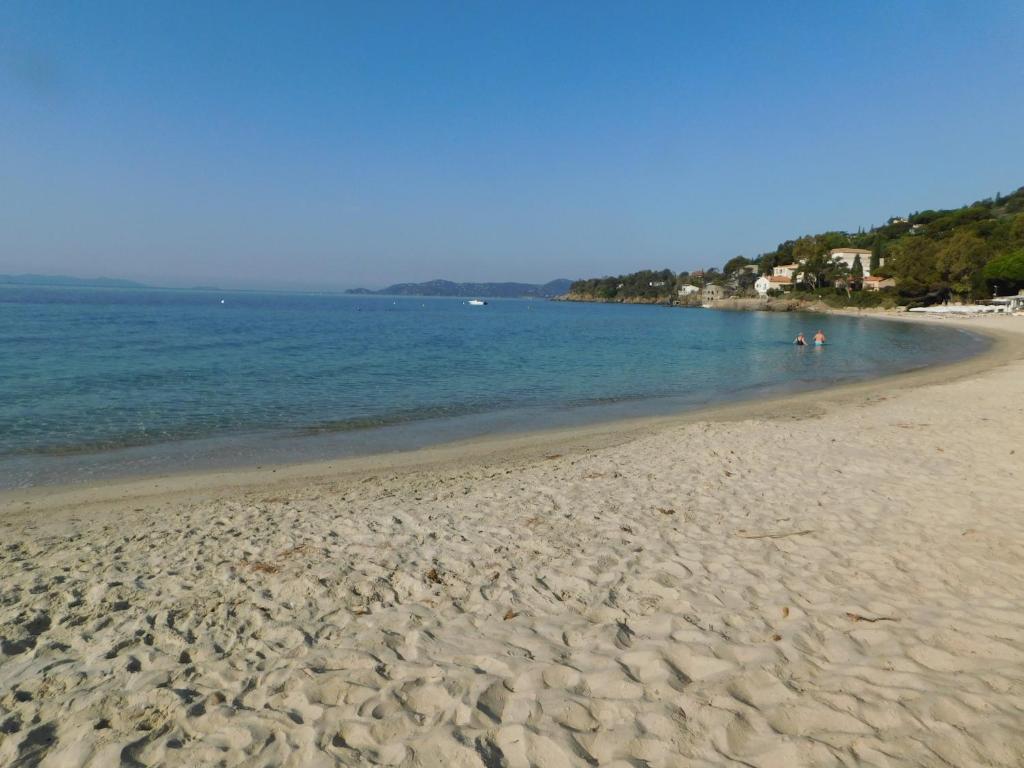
<point>98,382</point>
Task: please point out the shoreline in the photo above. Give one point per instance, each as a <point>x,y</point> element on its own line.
<point>525,446</point>
<point>277,447</point>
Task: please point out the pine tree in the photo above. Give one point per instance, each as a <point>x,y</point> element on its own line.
<point>857,270</point>
<point>876,255</point>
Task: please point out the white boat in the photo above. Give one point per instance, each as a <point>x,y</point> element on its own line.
<point>476,302</point>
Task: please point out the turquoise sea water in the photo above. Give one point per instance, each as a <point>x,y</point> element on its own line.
<point>98,382</point>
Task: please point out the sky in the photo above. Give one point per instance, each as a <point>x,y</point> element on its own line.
<point>332,145</point>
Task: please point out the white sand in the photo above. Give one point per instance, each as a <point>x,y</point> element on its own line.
<point>823,580</point>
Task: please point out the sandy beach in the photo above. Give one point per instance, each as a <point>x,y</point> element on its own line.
<point>826,579</point>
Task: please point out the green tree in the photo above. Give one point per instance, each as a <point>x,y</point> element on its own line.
<point>1006,273</point>
<point>857,270</point>
<point>829,240</point>
<point>814,261</point>
<point>768,262</point>
<point>876,255</point>
<point>745,280</point>
<point>805,248</point>
<point>735,264</point>
<point>784,252</point>
<point>1017,229</point>
<point>960,258</point>
<point>837,271</point>
<point>912,261</point>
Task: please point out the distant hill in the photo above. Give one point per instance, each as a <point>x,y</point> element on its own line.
<point>490,290</point>
<point>81,282</point>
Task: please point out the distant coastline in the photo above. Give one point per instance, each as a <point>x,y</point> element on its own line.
<point>66,281</point>
<point>448,288</point>
<point>443,288</point>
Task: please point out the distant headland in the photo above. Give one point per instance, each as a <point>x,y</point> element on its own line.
<point>490,290</point>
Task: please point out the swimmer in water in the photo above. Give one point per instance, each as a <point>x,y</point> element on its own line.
<point>800,340</point>
<point>819,338</point>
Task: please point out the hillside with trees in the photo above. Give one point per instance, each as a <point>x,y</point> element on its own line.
<point>643,287</point>
<point>965,253</point>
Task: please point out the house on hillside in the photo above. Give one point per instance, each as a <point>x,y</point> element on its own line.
<point>876,283</point>
<point>688,290</point>
<point>849,255</point>
<point>713,293</point>
<point>785,270</point>
<point>766,283</point>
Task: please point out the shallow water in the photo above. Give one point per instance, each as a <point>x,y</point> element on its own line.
<point>95,382</point>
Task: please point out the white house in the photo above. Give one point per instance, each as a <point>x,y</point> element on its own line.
<point>785,270</point>
<point>849,255</point>
<point>688,290</point>
<point>766,283</point>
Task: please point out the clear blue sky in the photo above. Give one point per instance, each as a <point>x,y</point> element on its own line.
<point>341,144</point>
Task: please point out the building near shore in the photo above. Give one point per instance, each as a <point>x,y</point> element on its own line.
<point>876,283</point>
<point>766,283</point>
<point>849,256</point>
<point>713,292</point>
<point>785,270</point>
<point>688,290</point>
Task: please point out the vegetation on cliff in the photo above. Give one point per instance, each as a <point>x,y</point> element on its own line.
<point>645,286</point>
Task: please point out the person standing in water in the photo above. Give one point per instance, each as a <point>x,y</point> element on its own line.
<point>819,338</point>
<point>800,340</point>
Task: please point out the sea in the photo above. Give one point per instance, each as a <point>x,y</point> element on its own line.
<point>104,383</point>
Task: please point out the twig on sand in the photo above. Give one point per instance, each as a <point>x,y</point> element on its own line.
<point>775,535</point>
<point>872,619</point>
<point>260,567</point>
